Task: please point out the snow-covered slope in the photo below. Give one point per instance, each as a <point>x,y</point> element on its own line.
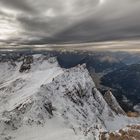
<point>41,101</point>
<point>17,87</point>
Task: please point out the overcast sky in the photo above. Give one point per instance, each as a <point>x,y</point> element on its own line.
<point>68,21</point>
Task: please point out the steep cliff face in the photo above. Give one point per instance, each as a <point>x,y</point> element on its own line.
<point>112,102</point>
<point>56,103</point>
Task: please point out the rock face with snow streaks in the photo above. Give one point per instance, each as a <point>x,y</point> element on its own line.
<point>45,94</point>
<point>112,102</point>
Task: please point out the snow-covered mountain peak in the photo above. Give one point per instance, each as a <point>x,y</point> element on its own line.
<point>36,92</point>
<point>17,86</point>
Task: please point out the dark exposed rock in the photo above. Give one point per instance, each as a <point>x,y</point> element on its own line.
<point>48,106</point>
<point>26,65</point>
<point>112,102</point>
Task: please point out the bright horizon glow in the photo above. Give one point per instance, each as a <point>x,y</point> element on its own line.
<point>113,46</point>
<point>7,30</point>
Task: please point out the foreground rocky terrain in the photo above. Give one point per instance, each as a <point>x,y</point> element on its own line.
<point>131,132</point>
<point>39,100</point>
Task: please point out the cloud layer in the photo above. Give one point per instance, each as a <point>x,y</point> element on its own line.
<point>68,21</point>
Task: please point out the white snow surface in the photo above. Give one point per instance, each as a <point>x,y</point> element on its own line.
<point>21,86</point>
<point>49,103</point>
<point>54,129</point>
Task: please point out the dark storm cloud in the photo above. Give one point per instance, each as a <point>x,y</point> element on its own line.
<point>115,21</point>
<point>55,16</point>
<point>101,30</point>
<point>59,21</point>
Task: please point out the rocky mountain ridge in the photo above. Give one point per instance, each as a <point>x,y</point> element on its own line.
<point>36,92</point>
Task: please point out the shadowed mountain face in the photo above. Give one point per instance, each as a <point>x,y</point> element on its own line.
<point>99,62</point>
<point>126,82</point>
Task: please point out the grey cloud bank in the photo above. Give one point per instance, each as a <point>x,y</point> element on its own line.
<point>68,21</point>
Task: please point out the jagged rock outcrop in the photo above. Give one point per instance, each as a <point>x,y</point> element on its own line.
<point>26,65</point>
<point>112,102</point>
